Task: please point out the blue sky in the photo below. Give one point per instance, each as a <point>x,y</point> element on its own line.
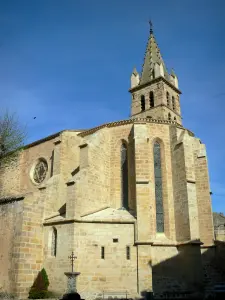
<point>68,63</point>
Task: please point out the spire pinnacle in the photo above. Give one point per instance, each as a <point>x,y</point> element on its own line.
<point>135,72</point>
<point>173,72</point>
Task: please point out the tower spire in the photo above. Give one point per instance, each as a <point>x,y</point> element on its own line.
<point>155,94</point>
<point>153,60</point>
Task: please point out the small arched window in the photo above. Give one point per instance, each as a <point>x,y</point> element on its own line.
<point>168,98</point>
<point>158,188</point>
<point>173,102</point>
<point>175,119</point>
<point>54,242</point>
<point>124,176</point>
<point>142,103</point>
<point>151,98</point>
<point>169,116</point>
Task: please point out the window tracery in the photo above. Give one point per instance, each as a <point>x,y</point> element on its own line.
<point>158,188</point>
<point>124,175</point>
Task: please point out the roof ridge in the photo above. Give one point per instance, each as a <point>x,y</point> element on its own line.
<point>124,122</point>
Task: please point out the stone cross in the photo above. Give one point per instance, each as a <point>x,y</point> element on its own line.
<point>72,258</point>
<point>151,26</point>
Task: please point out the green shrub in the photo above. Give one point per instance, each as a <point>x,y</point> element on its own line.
<point>45,278</point>
<point>39,289</point>
<point>38,294</point>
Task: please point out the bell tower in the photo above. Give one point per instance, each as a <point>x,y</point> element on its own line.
<point>155,94</point>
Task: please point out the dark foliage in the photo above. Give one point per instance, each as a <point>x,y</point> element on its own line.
<point>39,289</point>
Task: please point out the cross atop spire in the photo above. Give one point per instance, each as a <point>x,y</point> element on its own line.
<point>151,26</point>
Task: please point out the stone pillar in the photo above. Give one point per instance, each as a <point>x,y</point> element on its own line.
<point>71,281</point>
<point>203,195</point>
<point>56,157</point>
<point>30,243</point>
<point>191,186</point>
<point>144,218</point>
<point>70,203</point>
<point>144,230</point>
<point>185,198</point>
<point>144,269</point>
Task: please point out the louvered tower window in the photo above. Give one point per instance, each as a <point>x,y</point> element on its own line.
<point>124,175</point>
<point>173,102</point>
<point>168,99</point>
<point>142,103</point>
<point>151,96</point>
<point>158,188</point>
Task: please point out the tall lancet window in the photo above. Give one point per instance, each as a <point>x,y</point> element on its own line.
<point>124,176</point>
<point>54,242</point>
<point>158,188</point>
<point>151,97</point>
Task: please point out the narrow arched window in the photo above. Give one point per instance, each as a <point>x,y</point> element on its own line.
<point>142,102</point>
<point>158,188</point>
<point>151,98</point>
<point>168,98</point>
<point>173,102</point>
<point>54,242</point>
<point>169,116</point>
<point>153,74</point>
<point>124,176</point>
<point>175,119</point>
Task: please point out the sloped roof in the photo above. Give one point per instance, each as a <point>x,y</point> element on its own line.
<point>110,214</point>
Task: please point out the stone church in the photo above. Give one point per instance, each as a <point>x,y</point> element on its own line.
<point>131,198</point>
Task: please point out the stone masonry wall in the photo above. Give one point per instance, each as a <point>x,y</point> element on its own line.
<point>177,269</point>
<point>187,141</point>
<point>10,227</point>
<point>28,160</point>
<point>25,256</point>
<point>56,265</point>
<point>118,135</point>
<point>113,273</point>
<point>203,195</point>
<point>28,250</point>
<point>91,167</point>
<point>160,97</point>
<point>145,136</point>
<point>10,179</point>
<point>180,186</point>
<point>93,178</point>
<point>158,112</point>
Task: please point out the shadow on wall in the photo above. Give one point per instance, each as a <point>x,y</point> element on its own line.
<point>190,274</point>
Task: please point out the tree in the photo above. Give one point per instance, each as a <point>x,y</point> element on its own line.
<point>12,138</point>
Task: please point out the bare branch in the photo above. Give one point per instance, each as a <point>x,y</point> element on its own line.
<point>12,137</point>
